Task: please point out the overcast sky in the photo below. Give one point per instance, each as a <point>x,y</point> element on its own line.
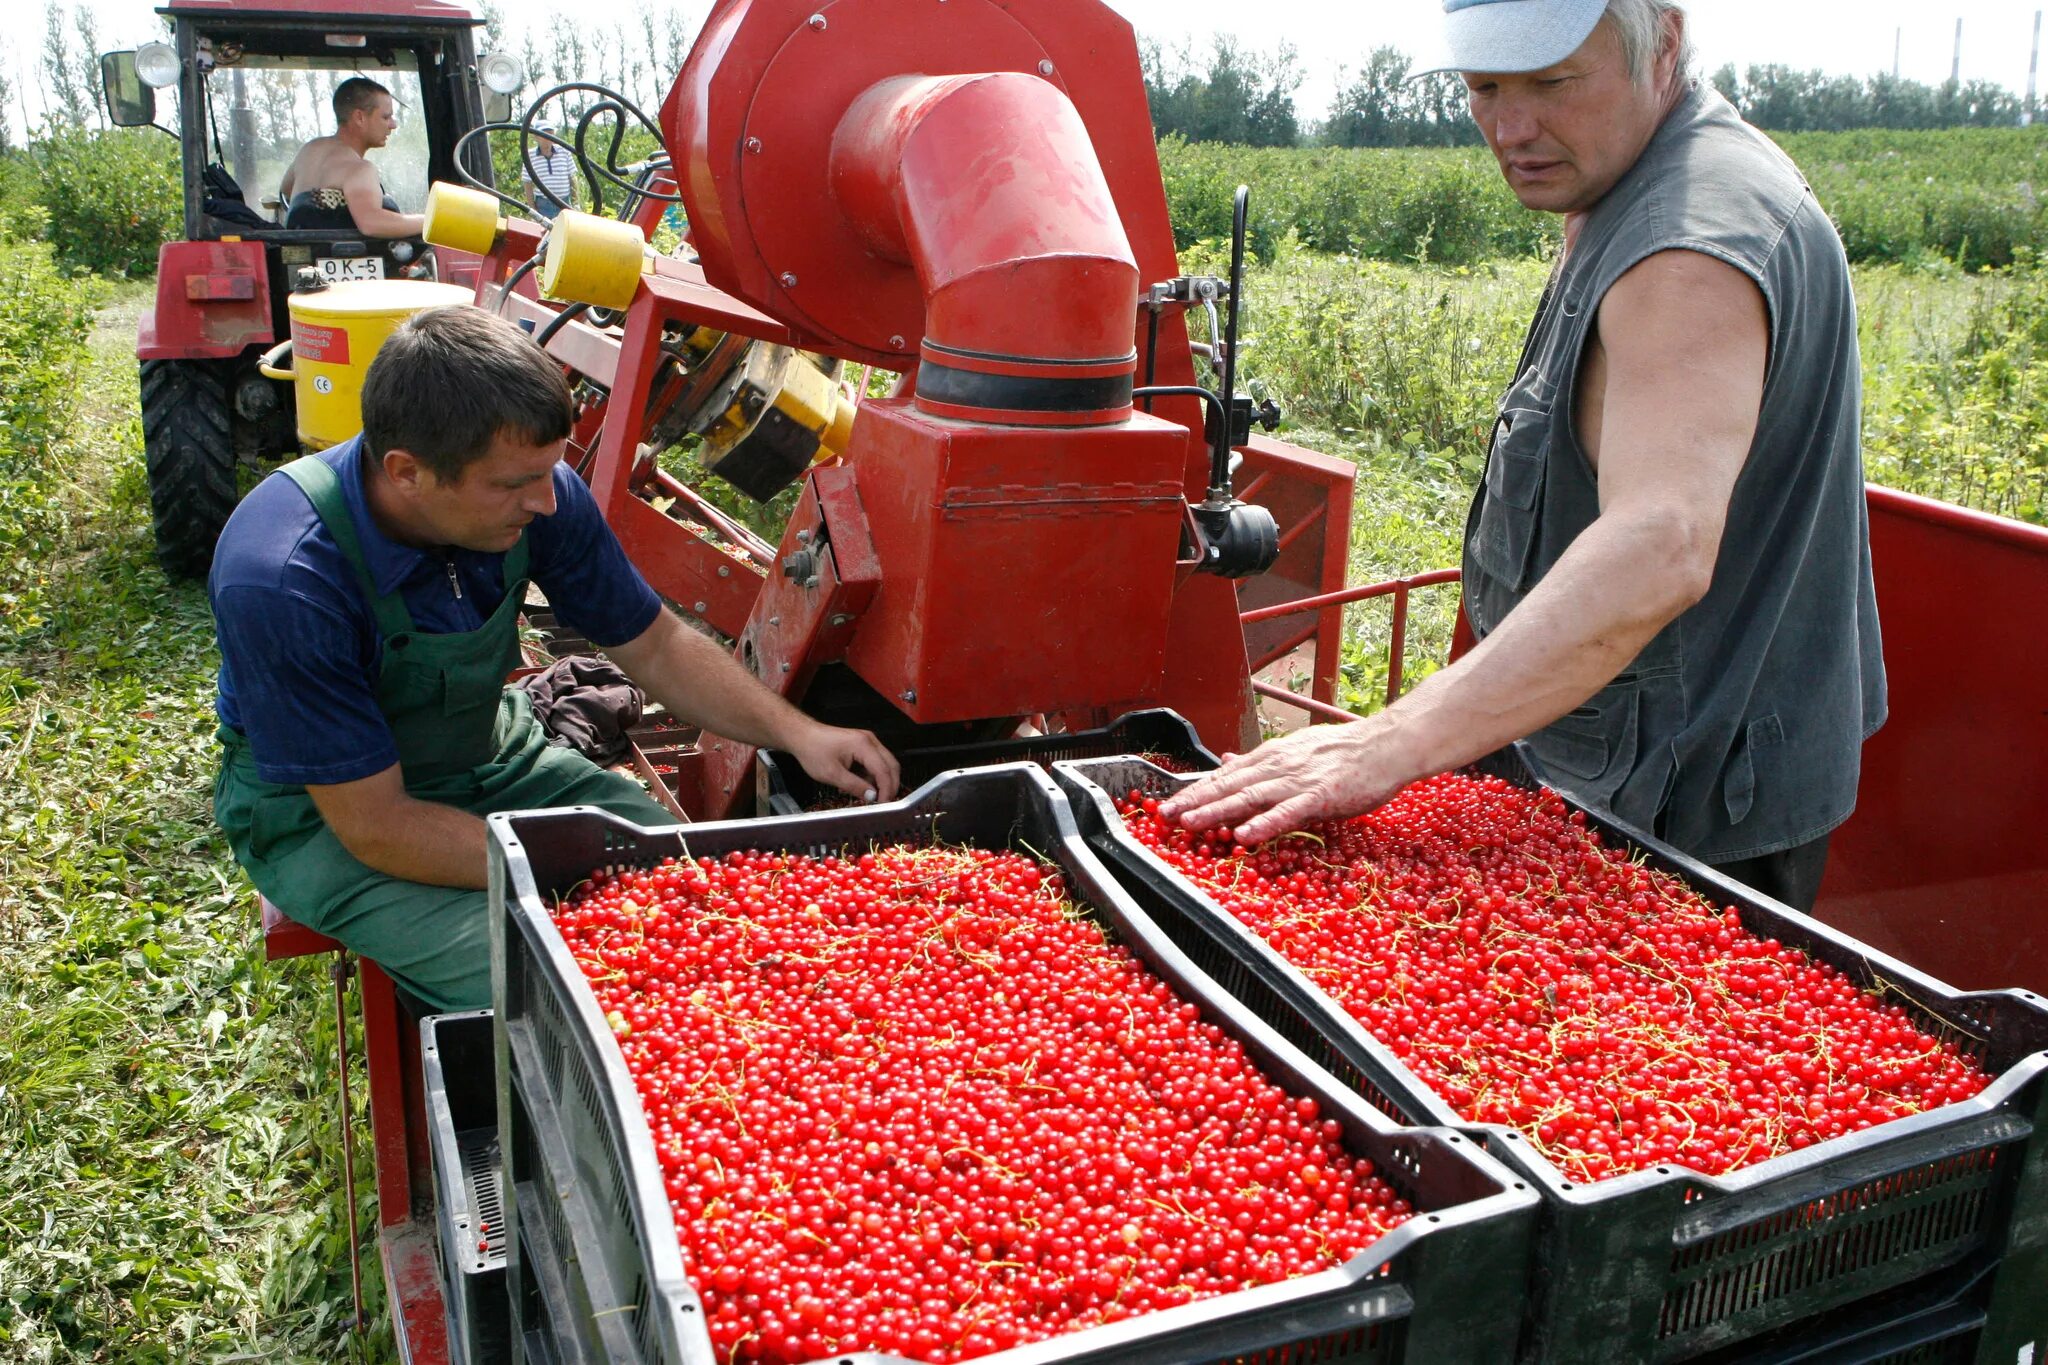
<point>1853,36</point>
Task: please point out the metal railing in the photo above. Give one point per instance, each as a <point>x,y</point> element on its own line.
<point>1397,642</point>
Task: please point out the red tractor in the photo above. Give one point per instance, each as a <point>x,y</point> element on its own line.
<point>253,84</point>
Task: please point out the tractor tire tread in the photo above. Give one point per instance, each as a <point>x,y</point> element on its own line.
<point>189,452</point>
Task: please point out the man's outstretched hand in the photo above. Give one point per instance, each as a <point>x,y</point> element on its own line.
<point>853,761</point>
<point>1322,772</point>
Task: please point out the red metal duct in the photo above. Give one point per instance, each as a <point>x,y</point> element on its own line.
<point>988,186</point>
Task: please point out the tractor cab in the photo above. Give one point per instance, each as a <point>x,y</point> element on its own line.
<point>255,81</point>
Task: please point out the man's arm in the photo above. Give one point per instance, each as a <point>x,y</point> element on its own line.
<point>701,684</point>
<point>366,205</point>
<point>393,833</point>
<point>1686,339</point>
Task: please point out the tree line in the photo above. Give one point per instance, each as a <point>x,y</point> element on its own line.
<point>1231,95</point>
<point>1225,92</point>
<point>1782,100</point>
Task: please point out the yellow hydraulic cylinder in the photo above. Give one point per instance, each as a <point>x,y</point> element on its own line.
<point>462,219</point>
<point>592,260</point>
<point>813,401</point>
<point>336,333</point>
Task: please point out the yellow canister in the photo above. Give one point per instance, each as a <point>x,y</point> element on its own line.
<point>336,333</point>
<point>592,260</point>
<point>462,218</point>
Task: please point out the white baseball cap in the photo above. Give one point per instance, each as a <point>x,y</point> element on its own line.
<point>1512,35</point>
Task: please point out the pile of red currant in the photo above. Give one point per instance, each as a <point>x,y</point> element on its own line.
<point>1535,978</point>
<point>916,1102</point>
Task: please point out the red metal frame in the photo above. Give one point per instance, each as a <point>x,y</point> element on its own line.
<point>398,1127</point>
<point>1334,602</point>
<point>212,302</point>
<point>1309,496</point>
<point>799,624</point>
<point>423,11</point>
<point>1945,862</point>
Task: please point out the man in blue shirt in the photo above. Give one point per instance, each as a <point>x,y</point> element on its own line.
<point>366,601</point>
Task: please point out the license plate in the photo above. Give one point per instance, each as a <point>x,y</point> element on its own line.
<point>336,268</point>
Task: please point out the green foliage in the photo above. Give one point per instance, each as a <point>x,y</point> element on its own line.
<point>169,1144</point>
<point>1447,206</point>
<point>1238,97</point>
<point>45,316</point>
<point>1964,195</point>
<point>1384,107</point>
<point>112,197</point>
<point>1390,358</point>
<point>1956,388</point>
<point>1781,99</point>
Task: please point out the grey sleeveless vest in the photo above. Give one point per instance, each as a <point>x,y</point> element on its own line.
<point>1738,730</point>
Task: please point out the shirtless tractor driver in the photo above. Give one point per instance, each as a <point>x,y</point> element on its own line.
<point>332,185</point>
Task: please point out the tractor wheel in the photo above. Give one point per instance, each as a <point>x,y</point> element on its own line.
<point>189,449</point>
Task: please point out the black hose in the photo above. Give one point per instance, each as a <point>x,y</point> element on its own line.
<point>595,174</point>
<point>642,177</point>
<point>1151,391</point>
<point>611,153</point>
<point>1219,456</point>
<point>470,177</point>
<point>1152,350</point>
<point>612,102</point>
<point>559,321</point>
<point>512,282</point>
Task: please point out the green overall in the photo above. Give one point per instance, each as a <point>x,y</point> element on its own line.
<point>464,740</point>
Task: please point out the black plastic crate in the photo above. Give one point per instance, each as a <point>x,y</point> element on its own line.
<point>1937,1323</point>
<point>462,1135</point>
<point>1667,1264</point>
<point>782,787</point>
<point>596,1263</point>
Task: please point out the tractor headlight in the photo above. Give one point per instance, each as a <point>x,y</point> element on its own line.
<point>500,73</point>
<point>157,64</point>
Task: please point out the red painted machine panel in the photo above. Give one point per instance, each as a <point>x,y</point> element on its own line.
<point>212,302</point>
<point>1023,570</point>
<point>1945,862</point>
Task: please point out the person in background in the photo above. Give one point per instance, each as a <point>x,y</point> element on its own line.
<point>1667,563</point>
<point>549,165</point>
<point>367,604</point>
<point>331,183</point>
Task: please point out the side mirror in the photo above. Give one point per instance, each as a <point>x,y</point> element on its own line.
<point>497,107</point>
<point>130,103</point>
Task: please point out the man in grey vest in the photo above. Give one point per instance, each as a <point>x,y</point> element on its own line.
<point>1668,560</point>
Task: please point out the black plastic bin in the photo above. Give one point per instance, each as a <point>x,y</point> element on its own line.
<point>784,788</point>
<point>462,1136</point>
<point>1667,1264</point>
<point>596,1267</point>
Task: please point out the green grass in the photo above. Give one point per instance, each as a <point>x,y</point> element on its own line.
<point>1398,368</point>
<point>169,1158</point>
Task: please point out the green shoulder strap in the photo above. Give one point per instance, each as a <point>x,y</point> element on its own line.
<point>321,486</point>
<point>516,563</point>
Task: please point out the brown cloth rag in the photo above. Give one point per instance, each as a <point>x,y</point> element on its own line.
<point>588,705</point>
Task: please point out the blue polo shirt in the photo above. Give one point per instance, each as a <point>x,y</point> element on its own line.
<point>300,652</point>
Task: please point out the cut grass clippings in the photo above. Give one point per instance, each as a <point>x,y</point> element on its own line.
<point>169,1137</point>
